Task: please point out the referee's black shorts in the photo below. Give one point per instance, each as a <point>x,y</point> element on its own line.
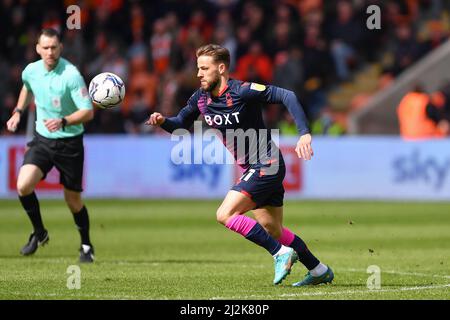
<point>66,154</point>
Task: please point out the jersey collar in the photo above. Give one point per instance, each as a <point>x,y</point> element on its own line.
<point>223,90</point>
<point>54,69</point>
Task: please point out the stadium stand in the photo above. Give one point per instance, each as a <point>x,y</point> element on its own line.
<point>322,50</point>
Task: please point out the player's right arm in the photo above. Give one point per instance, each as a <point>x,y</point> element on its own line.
<point>183,120</point>
<point>25,97</point>
<point>156,119</point>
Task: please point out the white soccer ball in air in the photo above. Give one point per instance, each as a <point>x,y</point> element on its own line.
<point>106,90</point>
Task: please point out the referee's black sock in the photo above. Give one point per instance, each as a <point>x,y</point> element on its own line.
<point>82,221</point>
<point>31,205</point>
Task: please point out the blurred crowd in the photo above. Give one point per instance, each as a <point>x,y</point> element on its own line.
<point>422,115</point>
<point>307,46</point>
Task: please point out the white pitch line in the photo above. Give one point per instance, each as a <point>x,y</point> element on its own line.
<point>285,295</point>
<point>402,273</point>
<point>416,288</point>
<point>80,296</point>
<point>321,293</point>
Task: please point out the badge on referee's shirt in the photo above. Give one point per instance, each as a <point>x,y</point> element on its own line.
<point>56,102</point>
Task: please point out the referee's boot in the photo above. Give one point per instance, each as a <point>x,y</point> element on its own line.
<point>86,253</point>
<point>34,241</point>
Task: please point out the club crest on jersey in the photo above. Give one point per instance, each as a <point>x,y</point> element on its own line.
<point>229,100</point>
<point>56,102</point>
<point>257,87</point>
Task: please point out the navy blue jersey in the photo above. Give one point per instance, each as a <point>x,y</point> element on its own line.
<point>237,113</point>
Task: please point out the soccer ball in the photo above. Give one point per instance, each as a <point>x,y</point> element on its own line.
<point>106,90</point>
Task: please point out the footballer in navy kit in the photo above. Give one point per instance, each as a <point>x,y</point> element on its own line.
<point>235,109</point>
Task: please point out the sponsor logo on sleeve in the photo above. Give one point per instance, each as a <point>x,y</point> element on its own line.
<point>257,87</point>
<point>83,92</point>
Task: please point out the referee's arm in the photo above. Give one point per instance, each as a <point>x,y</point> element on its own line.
<point>79,95</point>
<point>25,97</point>
<point>79,116</point>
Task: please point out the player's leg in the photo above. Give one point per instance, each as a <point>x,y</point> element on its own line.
<point>36,164</point>
<point>70,162</point>
<point>81,218</point>
<point>231,214</point>
<point>271,218</point>
<point>28,178</point>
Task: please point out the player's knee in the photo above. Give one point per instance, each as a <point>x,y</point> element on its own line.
<point>220,216</point>
<point>75,206</point>
<point>24,188</point>
<point>74,203</point>
<point>223,215</point>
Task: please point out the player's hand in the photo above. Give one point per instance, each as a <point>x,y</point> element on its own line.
<point>303,148</point>
<point>53,125</point>
<point>13,122</point>
<point>156,119</point>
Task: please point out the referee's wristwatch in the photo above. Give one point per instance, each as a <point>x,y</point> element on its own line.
<point>63,123</point>
<point>19,111</point>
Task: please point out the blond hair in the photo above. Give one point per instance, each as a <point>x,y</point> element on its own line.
<point>219,53</point>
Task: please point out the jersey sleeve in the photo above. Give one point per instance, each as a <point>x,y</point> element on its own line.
<point>79,92</point>
<point>259,93</point>
<point>25,78</point>
<point>185,118</point>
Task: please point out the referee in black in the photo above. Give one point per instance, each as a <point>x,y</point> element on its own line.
<point>62,106</point>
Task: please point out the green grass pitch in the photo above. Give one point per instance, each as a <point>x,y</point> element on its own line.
<point>176,250</point>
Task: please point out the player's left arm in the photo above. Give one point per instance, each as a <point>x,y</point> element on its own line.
<point>273,94</point>
<point>80,97</point>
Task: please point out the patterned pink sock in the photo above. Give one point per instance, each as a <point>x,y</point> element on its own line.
<point>254,232</point>
<point>241,224</point>
<point>287,237</point>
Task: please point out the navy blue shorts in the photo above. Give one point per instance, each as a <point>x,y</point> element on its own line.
<point>264,188</point>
